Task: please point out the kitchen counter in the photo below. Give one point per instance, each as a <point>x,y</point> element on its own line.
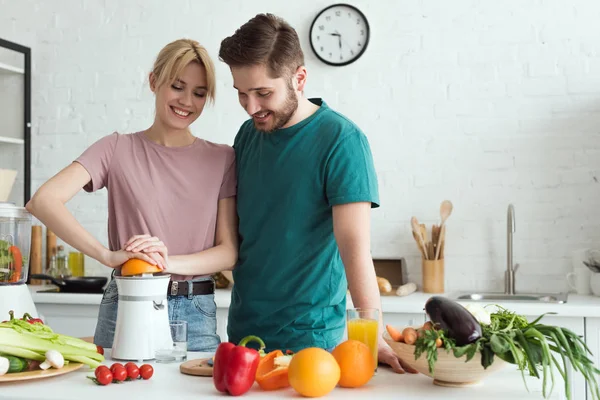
<point>576,306</point>
<point>168,382</point>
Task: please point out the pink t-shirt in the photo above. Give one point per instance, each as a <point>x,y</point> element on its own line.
<point>168,192</point>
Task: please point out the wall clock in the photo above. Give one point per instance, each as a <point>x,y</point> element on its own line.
<point>339,34</point>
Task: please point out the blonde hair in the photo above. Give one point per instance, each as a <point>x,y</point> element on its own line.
<point>175,56</point>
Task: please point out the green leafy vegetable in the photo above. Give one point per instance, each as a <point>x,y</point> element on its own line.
<point>31,341</point>
<point>535,348</point>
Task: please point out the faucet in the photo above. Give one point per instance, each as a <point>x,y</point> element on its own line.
<point>509,275</point>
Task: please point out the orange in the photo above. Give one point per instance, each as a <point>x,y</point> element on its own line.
<point>135,266</point>
<point>313,372</point>
<point>356,362</point>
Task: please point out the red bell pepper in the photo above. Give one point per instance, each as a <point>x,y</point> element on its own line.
<point>26,317</point>
<point>235,367</point>
<point>30,319</point>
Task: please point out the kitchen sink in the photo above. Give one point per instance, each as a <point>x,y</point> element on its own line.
<point>520,297</point>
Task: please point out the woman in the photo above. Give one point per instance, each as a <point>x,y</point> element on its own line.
<point>171,198</point>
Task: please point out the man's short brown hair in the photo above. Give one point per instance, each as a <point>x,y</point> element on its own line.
<point>264,40</point>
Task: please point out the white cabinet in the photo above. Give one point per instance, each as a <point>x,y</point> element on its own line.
<point>400,320</point>
<point>222,315</point>
<point>592,339</point>
<point>70,319</point>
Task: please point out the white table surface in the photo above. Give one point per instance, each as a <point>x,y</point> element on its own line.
<point>168,383</point>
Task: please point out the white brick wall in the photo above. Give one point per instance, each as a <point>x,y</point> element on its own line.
<point>484,103</point>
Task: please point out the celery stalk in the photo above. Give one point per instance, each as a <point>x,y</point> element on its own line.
<point>20,352</point>
<point>82,359</point>
<point>40,341</point>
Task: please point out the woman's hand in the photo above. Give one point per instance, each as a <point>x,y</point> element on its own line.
<point>151,246</point>
<point>115,259</point>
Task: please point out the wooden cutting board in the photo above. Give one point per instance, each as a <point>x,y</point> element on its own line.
<point>39,374</point>
<point>198,367</point>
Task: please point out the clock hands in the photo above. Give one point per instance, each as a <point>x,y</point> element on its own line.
<point>339,38</point>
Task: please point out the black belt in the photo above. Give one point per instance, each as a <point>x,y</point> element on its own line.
<point>182,288</point>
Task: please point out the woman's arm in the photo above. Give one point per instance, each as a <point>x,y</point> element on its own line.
<point>223,256</point>
<point>48,206</point>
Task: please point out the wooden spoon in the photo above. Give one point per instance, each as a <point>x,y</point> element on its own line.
<point>445,211</point>
<point>417,231</point>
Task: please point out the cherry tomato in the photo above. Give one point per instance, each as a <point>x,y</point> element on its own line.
<point>146,371</point>
<point>100,350</point>
<point>116,365</point>
<point>119,374</point>
<point>133,372</point>
<point>101,368</point>
<point>103,376</point>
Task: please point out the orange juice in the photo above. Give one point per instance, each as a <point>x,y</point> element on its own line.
<point>364,330</point>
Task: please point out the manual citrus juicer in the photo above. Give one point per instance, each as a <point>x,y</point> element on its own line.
<point>142,325</point>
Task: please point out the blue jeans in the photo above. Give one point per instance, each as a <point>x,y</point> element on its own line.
<point>200,312</point>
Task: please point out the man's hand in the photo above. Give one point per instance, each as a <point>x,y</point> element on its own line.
<point>387,356</point>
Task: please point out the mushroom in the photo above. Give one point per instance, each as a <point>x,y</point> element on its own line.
<point>53,359</point>
<point>4,365</point>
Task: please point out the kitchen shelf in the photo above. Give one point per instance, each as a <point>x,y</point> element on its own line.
<point>4,68</point>
<point>10,140</point>
<point>9,71</point>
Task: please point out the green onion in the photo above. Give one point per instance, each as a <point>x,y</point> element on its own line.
<point>531,346</point>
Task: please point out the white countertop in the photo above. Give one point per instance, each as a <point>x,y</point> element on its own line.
<point>168,383</point>
<point>576,305</point>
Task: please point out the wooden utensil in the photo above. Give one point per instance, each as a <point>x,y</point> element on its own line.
<point>424,232</point>
<point>418,244</point>
<point>50,247</point>
<point>35,258</point>
<point>443,241</point>
<point>435,234</point>
<point>198,367</point>
<point>39,374</point>
<point>417,231</point>
<point>445,211</point>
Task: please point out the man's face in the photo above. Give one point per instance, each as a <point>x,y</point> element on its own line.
<point>270,102</point>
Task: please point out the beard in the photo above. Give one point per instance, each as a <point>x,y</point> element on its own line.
<point>281,116</point>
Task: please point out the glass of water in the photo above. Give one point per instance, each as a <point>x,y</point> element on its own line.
<point>178,352</point>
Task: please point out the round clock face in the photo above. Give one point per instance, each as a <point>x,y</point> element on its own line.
<point>339,34</point>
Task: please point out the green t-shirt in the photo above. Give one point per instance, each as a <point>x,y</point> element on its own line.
<point>290,283</point>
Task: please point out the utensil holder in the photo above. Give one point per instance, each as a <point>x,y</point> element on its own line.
<point>433,276</point>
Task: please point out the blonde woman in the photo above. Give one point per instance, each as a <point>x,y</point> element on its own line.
<point>171,197</point>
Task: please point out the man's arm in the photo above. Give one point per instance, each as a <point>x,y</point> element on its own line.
<point>352,230</point>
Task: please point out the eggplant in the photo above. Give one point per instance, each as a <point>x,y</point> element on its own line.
<point>455,320</point>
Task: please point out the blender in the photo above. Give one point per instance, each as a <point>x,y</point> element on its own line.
<point>15,240</point>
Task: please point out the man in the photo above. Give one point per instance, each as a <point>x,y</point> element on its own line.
<point>306,186</point>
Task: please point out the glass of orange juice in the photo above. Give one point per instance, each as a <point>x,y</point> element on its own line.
<point>363,325</point>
